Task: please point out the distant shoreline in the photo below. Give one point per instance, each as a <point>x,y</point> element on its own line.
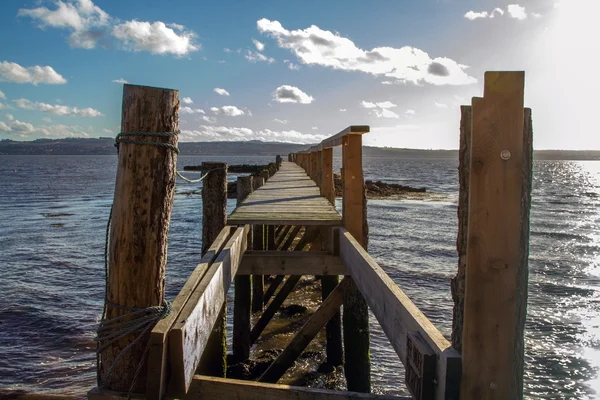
<point>105,146</point>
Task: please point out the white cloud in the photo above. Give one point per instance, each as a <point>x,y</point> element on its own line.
<point>381,109</point>
<point>410,112</point>
<point>441,105</point>
<point>223,133</point>
<point>230,111</point>
<point>4,127</point>
<point>89,24</point>
<point>109,131</point>
<point>343,109</point>
<point>221,92</point>
<point>259,46</point>
<point>226,50</point>
<point>120,80</point>
<point>2,95</point>
<point>314,128</point>
<point>536,15</point>
<point>291,65</point>
<point>516,11</point>
<point>25,129</point>
<point>3,106</point>
<point>187,100</point>
<point>206,118</point>
<point>281,121</point>
<point>57,109</point>
<point>474,15</point>
<point>13,72</point>
<point>291,94</point>
<point>9,117</point>
<point>407,64</point>
<point>155,37</point>
<point>254,56</point>
<point>47,119</point>
<point>189,110</point>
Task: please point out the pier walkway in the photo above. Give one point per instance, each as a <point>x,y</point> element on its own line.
<point>289,197</point>
<point>286,226</point>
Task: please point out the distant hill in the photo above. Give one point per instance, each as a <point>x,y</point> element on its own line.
<point>101,146</point>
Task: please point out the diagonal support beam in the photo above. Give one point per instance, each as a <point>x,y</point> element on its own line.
<point>306,334</point>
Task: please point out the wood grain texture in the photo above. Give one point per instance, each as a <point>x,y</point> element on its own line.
<point>143,199</point>
<point>217,388</point>
<point>157,353</point>
<point>243,291</point>
<point>306,334</point>
<point>496,278</point>
<point>398,315</point>
<point>357,360</point>
<point>291,263</point>
<point>327,187</point>
<point>190,333</point>
<point>457,284</point>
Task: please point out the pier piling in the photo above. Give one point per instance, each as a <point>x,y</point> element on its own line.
<point>214,219</point>
<point>143,200</point>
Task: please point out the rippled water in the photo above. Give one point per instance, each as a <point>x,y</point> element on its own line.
<point>52,221</point>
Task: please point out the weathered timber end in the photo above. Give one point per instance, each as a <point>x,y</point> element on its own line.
<point>286,226</point>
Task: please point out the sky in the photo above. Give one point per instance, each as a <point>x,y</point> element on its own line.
<point>298,71</point>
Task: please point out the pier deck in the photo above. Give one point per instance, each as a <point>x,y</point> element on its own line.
<point>289,197</point>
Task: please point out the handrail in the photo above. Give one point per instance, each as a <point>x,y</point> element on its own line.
<point>336,140</point>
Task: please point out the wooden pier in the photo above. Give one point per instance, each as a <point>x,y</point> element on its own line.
<point>287,226</point>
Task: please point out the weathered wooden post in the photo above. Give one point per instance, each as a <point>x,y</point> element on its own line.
<point>335,352</point>
<point>243,296</point>
<point>457,285</point>
<point>141,211</point>
<point>214,219</point>
<point>265,175</point>
<point>498,241</point>
<point>258,281</point>
<point>357,362</point>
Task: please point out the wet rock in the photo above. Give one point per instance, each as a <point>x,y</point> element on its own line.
<point>292,309</point>
<point>253,368</point>
<point>378,189</point>
<point>326,368</point>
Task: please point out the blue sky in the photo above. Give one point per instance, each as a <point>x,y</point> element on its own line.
<point>297,71</point>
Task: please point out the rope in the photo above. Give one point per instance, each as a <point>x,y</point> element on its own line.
<point>192,180</point>
<point>120,139</point>
<point>140,320</point>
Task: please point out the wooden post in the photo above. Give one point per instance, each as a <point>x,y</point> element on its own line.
<point>143,199</point>
<point>333,330</point>
<point>319,174</point>
<point>258,281</point>
<point>243,294</point>
<point>214,219</point>
<point>271,237</point>
<point>457,285</point>
<point>327,186</point>
<point>357,363</point>
<point>498,241</point>
<point>264,174</point>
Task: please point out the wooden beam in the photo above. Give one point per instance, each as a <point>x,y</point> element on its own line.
<point>357,362</point>
<point>498,241</point>
<point>157,353</point>
<point>273,287</point>
<point>327,186</point>
<point>283,235</point>
<point>204,387</point>
<point>188,336</point>
<point>398,315</point>
<point>457,284</point>
<point>288,242</point>
<point>273,306</point>
<point>306,334</point>
<point>291,263</point>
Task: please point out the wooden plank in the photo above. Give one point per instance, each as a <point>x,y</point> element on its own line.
<point>157,353</point>
<point>288,242</point>
<point>398,315</point>
<point>336,140</point>
<point>189,334</point>
<point>266,220</point>
<point>291,263</point>
<point>273,287</point>
<point>283,235</point>
<point>306,334</point>
<point>204,387</point>
<point>498,240</point>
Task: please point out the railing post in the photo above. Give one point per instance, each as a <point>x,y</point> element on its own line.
<point>243,294</point>
<point>143,199</point>
<point>258,281</point>
<point>498,241</point>
<point>357,363</point>
<point>327,186</point>
<point>214,219</point>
